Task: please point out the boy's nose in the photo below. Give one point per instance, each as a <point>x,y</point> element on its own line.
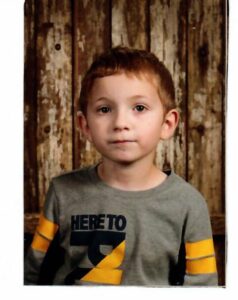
<point>121,121</point>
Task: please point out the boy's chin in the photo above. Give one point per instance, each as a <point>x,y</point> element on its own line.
<point>124,161</point>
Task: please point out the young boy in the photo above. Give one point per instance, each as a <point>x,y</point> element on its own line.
<point>125,221</point>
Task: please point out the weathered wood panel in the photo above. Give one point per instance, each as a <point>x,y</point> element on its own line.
<point>30,156</point>
<point>130,23</point>
<point>54,87</point>
<point>168,41</point>
<point>91,36</point>
<point>205,96</point>
<point>218,224</point>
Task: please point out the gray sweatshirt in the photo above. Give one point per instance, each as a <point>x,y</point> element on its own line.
<point>157,237</point>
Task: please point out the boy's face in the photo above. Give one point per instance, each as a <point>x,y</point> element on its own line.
<point>125,118</point>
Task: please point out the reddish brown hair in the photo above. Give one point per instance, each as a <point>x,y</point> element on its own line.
<point>132,62</point>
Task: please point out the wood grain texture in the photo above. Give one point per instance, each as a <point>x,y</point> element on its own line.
<point>168,41</point>
<point>91,37</point>
<point>205,97</point>
<point>218,224</point>
<point>54,91</point>
<point>30,108</point>
<point>130,23</point>
<point>196,151</point>
<point>31,221</point>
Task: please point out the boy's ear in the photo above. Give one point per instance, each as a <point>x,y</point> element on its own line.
<point>169,125</point>
<point>83,125</point>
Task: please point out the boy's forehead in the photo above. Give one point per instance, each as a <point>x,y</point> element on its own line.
<point>123,76</point>
<point>123,86</point>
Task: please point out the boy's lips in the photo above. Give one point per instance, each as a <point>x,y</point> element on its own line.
<point>121,141</point>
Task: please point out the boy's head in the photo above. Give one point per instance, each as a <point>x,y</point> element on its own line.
<point>127,105</point>
<point>131,62</point>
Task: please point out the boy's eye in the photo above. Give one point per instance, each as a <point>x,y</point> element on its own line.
<point>140,107</point>
<point>103,109</point>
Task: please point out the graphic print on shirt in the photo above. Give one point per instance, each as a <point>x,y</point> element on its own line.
<point>103,236</point>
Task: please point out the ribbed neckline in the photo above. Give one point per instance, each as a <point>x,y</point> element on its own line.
<point>171,177</point>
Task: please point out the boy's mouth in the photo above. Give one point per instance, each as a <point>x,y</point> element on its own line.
<point>121,141</point>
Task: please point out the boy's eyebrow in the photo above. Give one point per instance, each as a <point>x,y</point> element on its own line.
<point>135,97</point>
<point>103,98</point>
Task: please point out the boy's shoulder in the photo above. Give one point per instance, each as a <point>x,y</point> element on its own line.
<point>82,175</point>
<point>185,191</point>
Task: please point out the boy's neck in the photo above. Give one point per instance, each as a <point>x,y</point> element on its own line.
<point>131,177</point>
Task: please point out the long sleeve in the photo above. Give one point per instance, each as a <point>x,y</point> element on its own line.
<point>45,232</point>
<point>199,249</point>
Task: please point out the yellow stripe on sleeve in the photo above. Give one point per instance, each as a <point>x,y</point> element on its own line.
<point>47,228</point>
<point>39,243</point>
<point>199,249</point>
<point>201,266</point>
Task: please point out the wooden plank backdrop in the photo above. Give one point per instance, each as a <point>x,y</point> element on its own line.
<point>61,39</point>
